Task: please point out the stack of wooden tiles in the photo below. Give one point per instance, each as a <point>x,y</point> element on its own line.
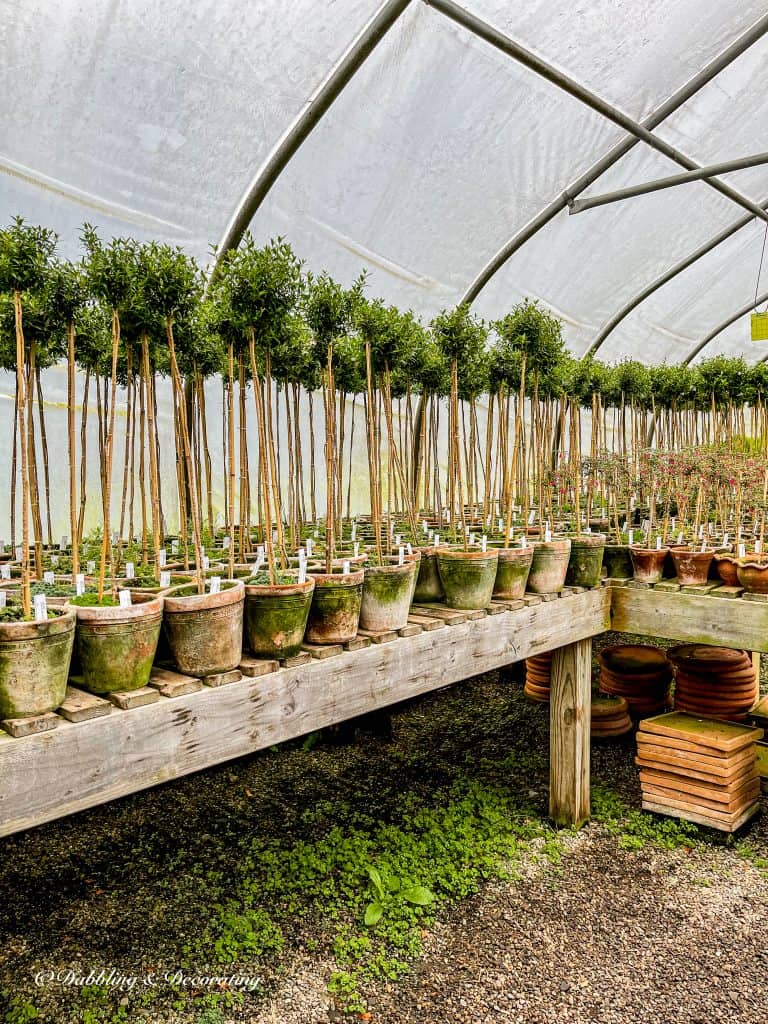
<point>699,769</point>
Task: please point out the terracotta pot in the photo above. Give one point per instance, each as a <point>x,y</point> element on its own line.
<point>275,617</point>
<point>753,575</point>
<point>205,631</point>
<point>116,646</point>
<point>691,566</point>
<point>429,586</point>
<point>512,572</point>
<point>34,664</point>
<point>727,569</point>
<point>617,561</point>
<point>585,564</point>
<point>335,611</point>
<point>648,563</point>
<point>468,576</point>
<point>387,594</point>
<point>549,566</point>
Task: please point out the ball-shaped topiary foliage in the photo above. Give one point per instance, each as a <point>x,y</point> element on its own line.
<point>721,378</point>
<point>263,286</point>
<point>433,374</point>
<point>673,385</point>
<point>110,267</point>
<point>25,255</point>
<point>66,290</point>
<point>459,334</point>
<point>535,332</point>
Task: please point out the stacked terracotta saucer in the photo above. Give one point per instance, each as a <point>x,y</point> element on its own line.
<point>538,675</point>
<point>714,682</point>
<point>638,673</point>
<point>610,717</point>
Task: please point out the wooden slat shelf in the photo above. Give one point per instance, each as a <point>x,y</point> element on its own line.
<point>82,764</point>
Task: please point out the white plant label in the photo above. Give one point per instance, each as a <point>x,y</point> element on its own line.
<point>309,547</point>
<point>130,571</point>
<point>174,547</point>
<point>206,563</point>
<point>398,540</point>
<point>703,545</point>
<point>425,526</point>
<point>3,598</point>
<point>54,560</point>
<point>91,567</point>
<point>742,550</point>
<point>532,517</point>
<point>624,526</point>
<point>63,542</point>
<point>345,567</point>
<point>2,547</point>
<point>5,572</point>
<point>758,546</point>
<point>471,538</point>
<point>41,608</point>
<point>79,584</point>
<point>165,579</point>
<point>161,557</point>
<point>658,543</point>
<point>631,536</point>
<point>354,531</point>
<point>124,597</point>
<point>501,525</point>
<point>401,555</point>
<point>19,554</point>
<point>302,572</point>
<point>672,521</point>
<point>547,534</point>
<point>260,549</point>
<point>523,542</point>
<point>409,548</point>
<point>701,531</point>
<point>226,543</point>
<point>316,534</point>
<point>259,562</point>
<point>49,578</point>
<point>115,537</point>
<point>437,539</point>
<point>725,540</point>
<point>215,587</point>
<point>357,549</point>
<point>274,536</point>
<point>484,542</point>
<point>588,530</point>
<point>680,537</point>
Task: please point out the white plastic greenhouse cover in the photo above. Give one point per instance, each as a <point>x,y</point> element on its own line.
<point>151,119</point>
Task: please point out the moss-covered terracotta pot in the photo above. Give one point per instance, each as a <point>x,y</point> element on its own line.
<point>116,646</point>
<point>429,586</point>
<point>34,664</point>
<point>468,576</point>
<point>585,563</point>
<point>512,572</point>
<point>648,563</point>
<point>549,566</point>
<point>691,567</point>
<point>387,593</point>
<point>205,631</point>
<point>275,617</point>
<point>335,611</point>
<point>753,574</point>
<point>617,561</point>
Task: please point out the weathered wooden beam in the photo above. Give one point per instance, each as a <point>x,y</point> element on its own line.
<point>569,728</point>
<point>83,764</point>
<point>690,618</point>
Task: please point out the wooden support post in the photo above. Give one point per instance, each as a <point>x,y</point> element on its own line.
<point>570,705</point>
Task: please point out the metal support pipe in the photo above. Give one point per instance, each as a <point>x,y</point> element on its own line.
<point>301,126</point>
<point>505,44</point>
<point>668,275</point>
<point>590,202</point>
<point>721,327</point>
<point>694,85</point>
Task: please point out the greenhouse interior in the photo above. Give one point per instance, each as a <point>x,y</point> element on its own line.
<point>384,512</point>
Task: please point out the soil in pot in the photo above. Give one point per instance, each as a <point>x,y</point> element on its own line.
<point>691,566</point>
<point>116,644</point>
<point>205,631</point>
<point>512,572</point>
<point>585,564</point>
<point>275,615</point>
<point>549,566</point>
<point>429,586</point>
<point>468,577</point>
<point>648,563</point>
<point>34,663</point>
<point>334,614</point>
<point>387,593</point>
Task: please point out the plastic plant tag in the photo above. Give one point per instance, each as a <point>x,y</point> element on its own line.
<point>174,547</point>
<point>758,547</point>
<point>165,579</point>
<point>49,578</point>
<point>124,597</point>
<point>309,547</point>
<point>701,531</point>
<point>408,548</point>
<point>79,584</point>
<point>742,550</point>
<point>523,542</point>
<point>532,517</point>
<point>680,537</point>
<point>501,525</point>
<point>274,536</point>
<point>703,545</point>
<point>471,538</point>
<point>19,554</point>
<point>63,542</point>
<point>437,539</point>
<point>588,529</point>
<point>206,563</point>
<point>624,526</point>
<point>5,572</point>
<point>345,567</point>
<point>41,608</point>
<point>215,585</point>
<point>357,548</point>
<point>316,534</point>
<point>631,536</point>
<point>91,567</point>
<point>161,557</point>
<point>258,563</point>
<point>130,572</point>
<point>302,572</point>
<point>725,540</point>
<point>2,547</point>
<point>401,555</point>
<point>425,526</point>
<point>54,560</point>
<point>3,598</point>
<point>547,534</point>
<point>711,528</point>
<point>226,542</point>
<point>115,537</point>
<point>484,543</point>
<point>354,531</point>
<point>398,539</point>
<point>658,543</point>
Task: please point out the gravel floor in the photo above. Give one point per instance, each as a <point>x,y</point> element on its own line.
<point>608,934</point>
